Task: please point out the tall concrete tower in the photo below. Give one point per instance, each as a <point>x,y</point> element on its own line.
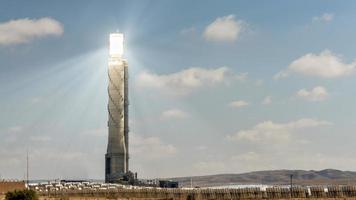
<point>117,156</point>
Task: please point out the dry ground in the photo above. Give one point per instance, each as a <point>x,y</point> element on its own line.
<point>99,198</point>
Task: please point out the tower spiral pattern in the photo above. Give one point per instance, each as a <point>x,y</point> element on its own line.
<point>117,152</point>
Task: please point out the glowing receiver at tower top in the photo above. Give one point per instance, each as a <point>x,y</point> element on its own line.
<point>117,156</point>
<point>116,45</point>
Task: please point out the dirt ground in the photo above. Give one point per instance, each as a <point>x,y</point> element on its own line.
<point>2,197</point>
<point>99,198</point>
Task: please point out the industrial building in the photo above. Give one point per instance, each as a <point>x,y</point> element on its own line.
<point>168,184</point>
<point>117,156</point>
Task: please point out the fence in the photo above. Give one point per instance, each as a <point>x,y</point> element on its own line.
<point>210,194</point>
<point>6,186</point>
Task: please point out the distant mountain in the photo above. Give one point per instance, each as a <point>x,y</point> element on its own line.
<point>274,177</point>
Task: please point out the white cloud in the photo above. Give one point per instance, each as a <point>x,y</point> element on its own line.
<point>246,157</point>
<point>188,31</point>
<point>238,104</point>
<point>42,138</point>
<point>25,30</point>
<point>201,147</point>
<point>15,129</point>
<point>259,82</point>
<point>183,82</point>
<point>36,100</point>
<point>224,29</point>
<point>326,17</point>
<point>99,132</point>
<point>266,160</point>
<point>269,131</point>
<point>207,167</point>
<point>242,76</point>
<point>325,65</point>
<point>281,75</point>
<point>267,100</point>
<point>150,148</point>
<point>318,93</point>
<point>173,114</point>
<point>243,162</point>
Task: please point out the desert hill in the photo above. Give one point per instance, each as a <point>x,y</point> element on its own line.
<point>274,177</point>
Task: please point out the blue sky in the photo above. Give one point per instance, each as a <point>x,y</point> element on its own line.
<point>215,86</point>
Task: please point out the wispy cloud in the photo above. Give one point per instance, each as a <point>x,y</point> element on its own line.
<point>40,138</point>
<point>242,76</point>
<point>281,75</point>
<point>323,65</point>
<point>318,93</point>
<point>224,29</point>
<point>269,131</point>
<point>15,129</point>
<point>325,17</point>
<point>188,31</point>
<point>185,81</point>
<point>100,132</point>
<point>238,104</point>
<point>151,148</point>
<point>25,30</point>
<point>209,166</point>
<point>267,100</point>
<point>173,114</point>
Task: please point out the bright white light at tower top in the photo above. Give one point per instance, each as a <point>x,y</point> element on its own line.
<point>116,44</point>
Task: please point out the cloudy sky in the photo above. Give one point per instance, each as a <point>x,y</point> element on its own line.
<point>215,86</point>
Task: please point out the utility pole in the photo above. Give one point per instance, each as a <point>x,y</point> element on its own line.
<point>291,185</point>
<point>27,175</point>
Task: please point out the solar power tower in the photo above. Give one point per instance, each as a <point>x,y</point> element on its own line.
<point>117,156</point>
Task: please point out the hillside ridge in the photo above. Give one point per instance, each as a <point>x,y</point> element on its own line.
<point>273,177</point>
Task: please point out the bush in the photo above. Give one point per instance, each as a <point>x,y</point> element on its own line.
<point>21,195</point>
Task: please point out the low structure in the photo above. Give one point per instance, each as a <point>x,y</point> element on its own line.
<point>9,186</point>
<point>168,184</point>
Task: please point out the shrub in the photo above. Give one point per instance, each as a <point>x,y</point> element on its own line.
<point>21,195</point>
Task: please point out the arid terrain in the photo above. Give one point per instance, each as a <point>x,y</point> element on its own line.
<point>274,177</point>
